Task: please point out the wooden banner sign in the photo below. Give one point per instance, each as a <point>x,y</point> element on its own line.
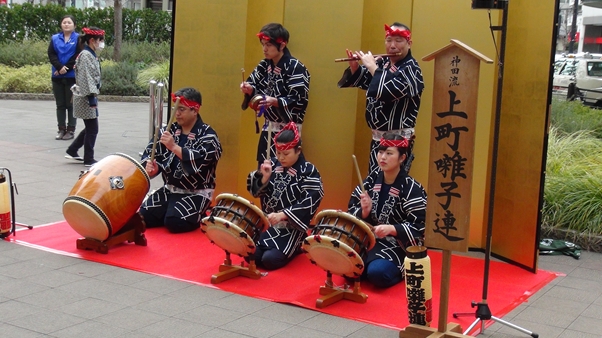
<point>452,139</point>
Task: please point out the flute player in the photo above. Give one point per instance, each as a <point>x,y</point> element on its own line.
<point>393,87</point>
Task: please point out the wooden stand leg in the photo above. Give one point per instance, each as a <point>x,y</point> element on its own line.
<point>454,330</point>
<point>132,231</point>
<point>332,294</point>
<point>229,271</point>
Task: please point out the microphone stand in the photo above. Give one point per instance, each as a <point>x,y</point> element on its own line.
<point>483,313</point>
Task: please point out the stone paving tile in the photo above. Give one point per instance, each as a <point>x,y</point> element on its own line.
<point>90,308</point>
<point>303,332</point>
<point>130,319</point>
<point>167,305</point>
<point>331,324</point>
<point>255,326</point>
<point>285,313</point>
<point>50,299</point>
<point>11,331</point>
<point>46,322</point>
<point>174,327</point>
<point>90,329</point>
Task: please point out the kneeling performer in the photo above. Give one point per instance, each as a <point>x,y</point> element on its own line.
<point>186,157</point>
<point>395,204</point>
<point>290,189</point>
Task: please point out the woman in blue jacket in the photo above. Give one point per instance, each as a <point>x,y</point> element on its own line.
<point>62,52</point>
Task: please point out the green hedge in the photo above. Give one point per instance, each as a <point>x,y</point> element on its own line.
<point>27,21</point>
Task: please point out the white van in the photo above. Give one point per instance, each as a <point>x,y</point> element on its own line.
<point>585,70</point>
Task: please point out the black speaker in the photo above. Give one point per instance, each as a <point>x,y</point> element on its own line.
<point>488,4</point>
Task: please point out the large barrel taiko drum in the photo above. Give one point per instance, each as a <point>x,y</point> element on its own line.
<point>106,196</point>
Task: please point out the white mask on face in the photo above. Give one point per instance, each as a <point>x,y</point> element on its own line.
<point>101,45</point>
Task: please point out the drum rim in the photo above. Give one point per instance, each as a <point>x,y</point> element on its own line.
<point>94,207</point>
<point>258,211</point>
<point>367,228</point>
<point>307,242</point>
<point>138,165</point>
<point>233,226</point>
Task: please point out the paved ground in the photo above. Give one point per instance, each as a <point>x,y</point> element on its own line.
<point>49,295</point>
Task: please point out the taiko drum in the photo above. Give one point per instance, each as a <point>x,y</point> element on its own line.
<point>339,242</point>
<point>106,196</point>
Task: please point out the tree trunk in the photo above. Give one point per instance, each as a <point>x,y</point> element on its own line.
<point>118,18</point>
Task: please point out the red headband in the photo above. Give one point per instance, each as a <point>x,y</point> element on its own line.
<point>286,146</point>
<point>93,32</point>
<point>185,102</point>
<point>263,36</point>
<point>404,33</point>
<point>403,143</point>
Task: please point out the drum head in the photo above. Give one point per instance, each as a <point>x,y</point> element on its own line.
<point>228,236</point>
<point>265,223</point>
<point>331,213</point>
<point>86,219</point>
<point>333,256</point>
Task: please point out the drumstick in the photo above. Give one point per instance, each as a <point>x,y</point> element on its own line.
<point>242,70</point>
<point>171,120</point>
<point>269,140</point>
<point>359,174</point>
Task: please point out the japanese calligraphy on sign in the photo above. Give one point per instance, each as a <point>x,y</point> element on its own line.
<point>453,125</point>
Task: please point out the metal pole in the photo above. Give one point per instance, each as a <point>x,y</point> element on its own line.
<point>159,115</point>
<point>573,27</point>
<point>152,117</point>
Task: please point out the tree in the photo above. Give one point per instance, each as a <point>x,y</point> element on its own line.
<point>118,19</point>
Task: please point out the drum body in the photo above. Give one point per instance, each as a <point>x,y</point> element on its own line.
<point>235,224</point>
<point>106,196</point>
<point>255,100</point>
<point>339,242</point>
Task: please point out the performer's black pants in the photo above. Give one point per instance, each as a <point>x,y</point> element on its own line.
<point>177,212</point>
<point>87,139</point>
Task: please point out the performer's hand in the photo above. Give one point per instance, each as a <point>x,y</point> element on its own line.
<point>353,64</point>
<point>63,70</point>
<point>246,88</point>
<point>167,140</point>
<point>266,170</point>
<point>152,168</point>
<point>277,217</point>
<point>269,102</point>
<point>366,203</point>
<point>368,60</point>
<point>384,230</point>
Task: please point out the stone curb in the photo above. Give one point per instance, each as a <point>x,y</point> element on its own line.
<point>587,241</point>
<point>49,97</point>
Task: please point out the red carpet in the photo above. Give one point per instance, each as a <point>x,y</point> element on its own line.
<point>191,257</point>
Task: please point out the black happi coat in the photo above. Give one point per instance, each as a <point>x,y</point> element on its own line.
<point>392,93</point>
<point>297,191</point>
<point>404,208</point>
<point>288,81</point>
<point>200,154</point>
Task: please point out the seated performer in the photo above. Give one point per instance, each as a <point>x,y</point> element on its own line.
<point>395,204</point>
<point>186,156</point>
<point>290,189</point>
